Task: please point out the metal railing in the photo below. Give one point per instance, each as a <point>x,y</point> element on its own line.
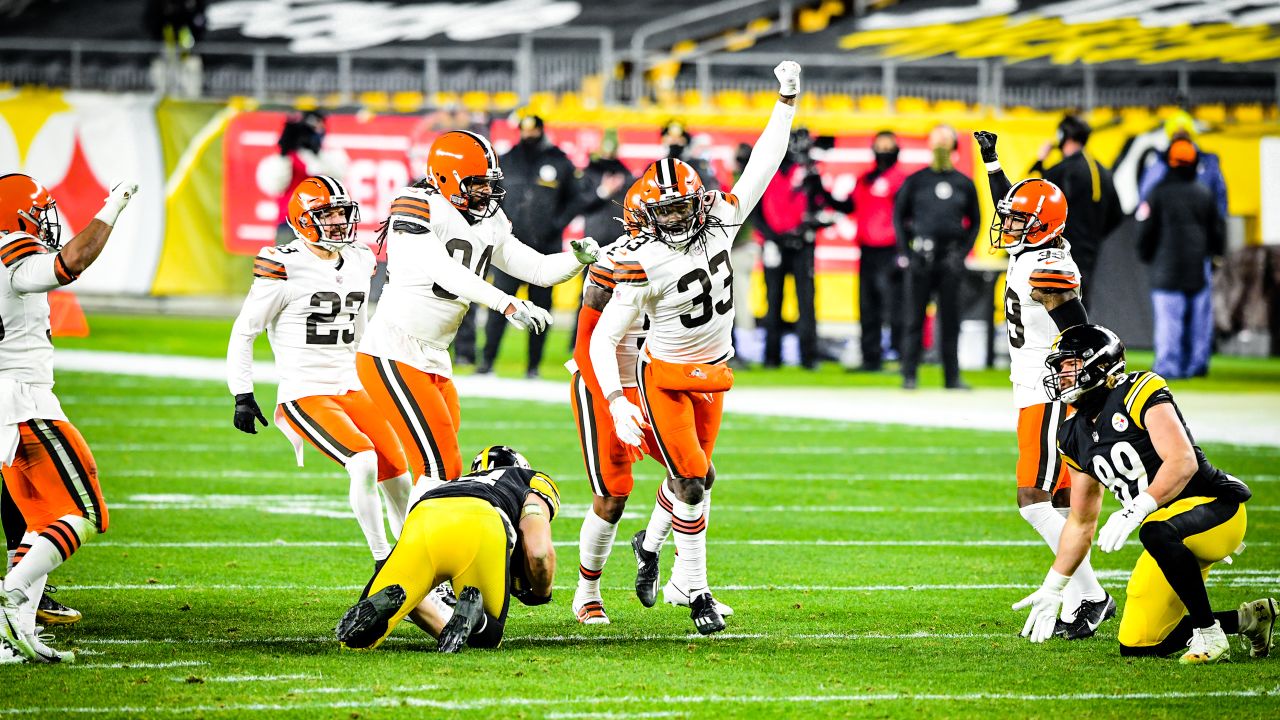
<point>560,60</point>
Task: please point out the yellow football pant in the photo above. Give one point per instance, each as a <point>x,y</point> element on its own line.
<point>1152,609</point>
<point>461,539</point>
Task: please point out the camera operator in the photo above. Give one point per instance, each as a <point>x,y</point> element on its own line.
<point>789,216</point>
<point>936,219</point>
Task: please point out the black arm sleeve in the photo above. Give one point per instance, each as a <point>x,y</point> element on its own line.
<point>1069,314</point>
<point>1000,185</point>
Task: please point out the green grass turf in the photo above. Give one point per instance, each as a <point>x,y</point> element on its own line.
<point>822,630</point>
<point>207,337</point>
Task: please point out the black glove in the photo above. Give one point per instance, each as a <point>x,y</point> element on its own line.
<point>987,144</point>
<point>246,411</point>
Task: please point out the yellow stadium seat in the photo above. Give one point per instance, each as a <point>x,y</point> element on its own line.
<point>444,99</point>
<point>306,102</point>
<point>1212,114</point>
<point>873,104</point>
<point>735,41</point>
<point>838,103</point>
<point>690,99</point>
<point>947,108</point>
<point>912,106</point>
<point>375,101</point>
<point>731,100</point>
<point>505,100</point>
<point>833,8</point>
<point>812,21</point>
<point>475,100</point>
<point>764,99</point>
<point>1249,113</point>
<point>1101,116</point>
<point>407,102</point>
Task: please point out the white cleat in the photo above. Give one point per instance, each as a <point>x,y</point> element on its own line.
<point>8,656</point>
<point>589,610</point>
<point>11,628</point>
<point>1207,645</point>
<point>673,595</point>
<point>1258,625</point>
<point>46,654</point>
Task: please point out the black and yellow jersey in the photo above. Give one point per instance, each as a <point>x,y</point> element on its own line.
<point>1115,446</point>
<point>505,488</point>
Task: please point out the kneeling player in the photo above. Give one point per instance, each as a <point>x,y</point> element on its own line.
<point>1189,515</point>
<point>465,531</point>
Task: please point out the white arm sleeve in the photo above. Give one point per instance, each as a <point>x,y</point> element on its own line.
<point>420,259</point>
<point>766,156</point>
<point>519,260</point>
<point>35,274</point>
<point>622,311</point>
<point>264,303</point>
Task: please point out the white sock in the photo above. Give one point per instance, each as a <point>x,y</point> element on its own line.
<point>366,503</point>
<point>395,492</point>
<point>1084,579</point>
<point>594,543</point>
<point>660,521</point>
<point>678,576</point>
<point>27,612</point>
<point>45,554</point>
<point>690,526</point>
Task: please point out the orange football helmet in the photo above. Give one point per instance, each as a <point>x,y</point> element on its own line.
<point>464,168</point>
<point>675,202</point>
<point>1032,213</point>
<point>322,213</point>
<point>633,220</point>
<point>26,206</point>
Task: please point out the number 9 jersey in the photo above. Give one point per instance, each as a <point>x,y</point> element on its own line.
<point>313,311</point>
<point>1115,447</point>
<point>1031,330</point>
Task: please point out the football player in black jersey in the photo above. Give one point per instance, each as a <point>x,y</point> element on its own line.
<point>1128,435</point>
<point>465,531</point>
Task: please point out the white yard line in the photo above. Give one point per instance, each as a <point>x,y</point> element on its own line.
<point>1216,417</point>
<point>680,701</point>
<point>139,666</point>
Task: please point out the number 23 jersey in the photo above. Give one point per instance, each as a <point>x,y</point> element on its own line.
<point>1116,446</point>
<point>1031,330</point>
<point>313,311</point>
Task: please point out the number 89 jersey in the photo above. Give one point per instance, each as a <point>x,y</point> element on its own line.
<point>688,296</point>
<point>1116,448</point>
<point>1031,330</point>
<point>313,311</point>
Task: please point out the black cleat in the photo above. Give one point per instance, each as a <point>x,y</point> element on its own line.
<point>444,591</point>
<point>705,616</point>
<point>366,622</point>
<point>50,612</point>
<point>1091,614</point>
<point>466,615</point>
<point>646,572</point>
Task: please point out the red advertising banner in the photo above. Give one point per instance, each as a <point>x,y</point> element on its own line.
<point>385,153</point>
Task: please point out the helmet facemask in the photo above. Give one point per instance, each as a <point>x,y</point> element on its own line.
<point>46,225</point>
<point>678,220</point>
<point>481,194</point>
<point>334,224</point>
<point>1010,229</point>
<point>1074,373</point>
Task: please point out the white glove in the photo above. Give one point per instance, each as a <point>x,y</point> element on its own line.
<point>1124,521</point>
<point>788,74</point>
<point>116,201</point>
<point>527,316</point>
<point>1045,604</point>
<point>586,250</point>
<point>628,421</point>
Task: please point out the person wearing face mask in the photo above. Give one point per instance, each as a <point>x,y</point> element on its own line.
<point>542,198</point>
<point>879,279</point>
<point>1089,190</point>
<point>1180,232</point>
<point>936,219</point>
<point>675,138</point>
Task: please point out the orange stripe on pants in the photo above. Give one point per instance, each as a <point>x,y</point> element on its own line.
<point>422,408</point>
<point>54,474</point>
<point>347,424</point>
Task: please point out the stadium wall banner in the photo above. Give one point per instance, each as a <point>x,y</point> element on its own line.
<point>77,144</point>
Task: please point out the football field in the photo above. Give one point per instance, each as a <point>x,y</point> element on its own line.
<point>871,567</point>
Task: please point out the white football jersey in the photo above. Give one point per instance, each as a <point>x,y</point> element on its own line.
<point>26,348</point>
<point>1031,330</point>
<point>600,274</point>
<point>431,249</point>
<point>313,311</point>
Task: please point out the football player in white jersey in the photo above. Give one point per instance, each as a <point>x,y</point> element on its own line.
<point>47,466</point>
<point>309,295</point>
<point>1041,299</point>
<point>681,278</point>
<point>441,237</point>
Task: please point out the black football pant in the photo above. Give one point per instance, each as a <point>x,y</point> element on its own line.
<point>797,262</point>
<point>496,324</point>
<point>879,290</point>
<point>923,282</point>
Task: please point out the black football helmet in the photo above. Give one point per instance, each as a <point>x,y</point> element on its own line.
<point>497,456</point>
<point>1100,352</point>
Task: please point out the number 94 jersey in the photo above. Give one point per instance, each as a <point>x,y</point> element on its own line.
<point>1116,448</point>
<point>1031,330</point>
<point>313,311</point>
<point>688,296</point>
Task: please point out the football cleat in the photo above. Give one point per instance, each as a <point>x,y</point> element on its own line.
<point>705,618</point>
<point>8,656</point>
<point>366,622</point>
<point>589,610</point>
<point>46,654</point>
<point>51,612</point>
<point>466,615</point>
<point>1207,645</point>
<point>673,594</point>
<point>646,571</point>
<point>1089,616</point>
<point>444,591</point>
<point>11,627</point>
<point>1258,625</point>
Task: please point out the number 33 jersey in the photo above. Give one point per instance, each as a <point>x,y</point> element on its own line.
<point>1031,330</point>
<point>1116,448</point>
<point>314,313</point>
